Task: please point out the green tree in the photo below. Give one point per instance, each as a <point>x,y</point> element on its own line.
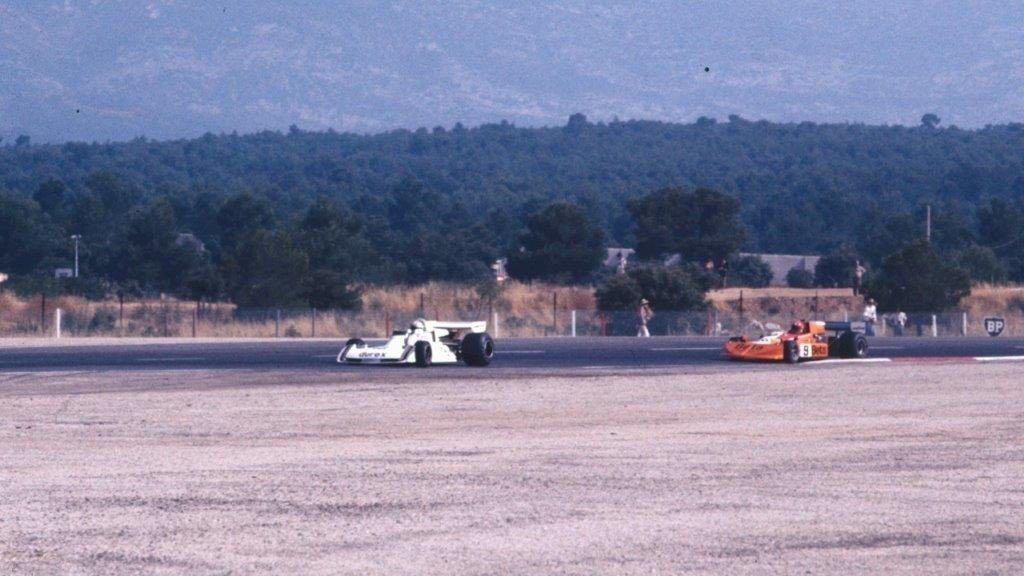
<point>241,216</point>
<point>335,246</point>
<point>673,288</point>
<point>917,279</point>
<point>271,271</point>
<point>1001,229</point>
<point>981,264</point>
<point>700,225</point>
<point>27,237</point>
<point>837,269</point>
<point>147,252</point>
<point>560,244</point>
<point>749,271</point>
<point>799,278</point>
<point>50,195</point>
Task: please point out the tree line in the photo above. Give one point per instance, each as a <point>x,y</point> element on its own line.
<point>281,217</point>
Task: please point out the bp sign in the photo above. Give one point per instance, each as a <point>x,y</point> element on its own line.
<point>994,326</point>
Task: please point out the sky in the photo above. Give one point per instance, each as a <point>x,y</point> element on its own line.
<point>99,70</point>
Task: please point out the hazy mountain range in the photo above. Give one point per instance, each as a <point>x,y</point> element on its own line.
<point>108,69</point>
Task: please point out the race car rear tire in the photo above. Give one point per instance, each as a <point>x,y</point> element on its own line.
<point>424,354</point>
<point>852,345</point>
<point>833,347</point>
<point>790,352</point>
<point>477,349</point>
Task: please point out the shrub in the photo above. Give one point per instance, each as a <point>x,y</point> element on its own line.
<point>749,271</point>
<point>799,278</point>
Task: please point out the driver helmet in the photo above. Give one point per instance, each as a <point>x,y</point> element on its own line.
<point>418,325</point>
<point>797,327</point>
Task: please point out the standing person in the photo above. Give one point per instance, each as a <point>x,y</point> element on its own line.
<point>723,271</point>
<point>870,317</point>
<point>644,315</point>
<point>858,274</point>
<point>901,321</point>
<point>621,267</point>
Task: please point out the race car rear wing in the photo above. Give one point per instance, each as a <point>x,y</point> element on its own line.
<point>844,326</point>
<point>480,326</point>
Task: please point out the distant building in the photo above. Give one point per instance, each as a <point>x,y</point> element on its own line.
<point>500,274</point>
<point>63,273</point>
<point>781,264</point>
<point>612,259</point>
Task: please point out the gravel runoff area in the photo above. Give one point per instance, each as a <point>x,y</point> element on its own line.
<point>897,469</point>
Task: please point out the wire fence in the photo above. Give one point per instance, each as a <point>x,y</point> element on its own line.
<point>170,318</point>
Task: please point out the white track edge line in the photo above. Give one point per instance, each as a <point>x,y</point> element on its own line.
<point>999,358</point>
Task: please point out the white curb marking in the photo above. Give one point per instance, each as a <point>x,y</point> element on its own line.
<point>847,361</point>
<point>999,358</point>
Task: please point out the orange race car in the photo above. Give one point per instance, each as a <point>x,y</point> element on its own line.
<point>804,341</point>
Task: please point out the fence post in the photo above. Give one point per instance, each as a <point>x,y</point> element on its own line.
<point>387,324</point>
<point>120,313</point>
<point>42,314</point>
<point>554,314</point>
<point>935,327</point>
<point>195,319</point>
<point>741,308</point>
<point>423,305</point>
<point>846,316</point>
<point>494,318</point>
<point>277,323</point>
<point>56,320</point>
<point>717,326</point>
<point>603,320</point>
<point>573,323</point>
<point>314,323</point>
<point>963,330</point>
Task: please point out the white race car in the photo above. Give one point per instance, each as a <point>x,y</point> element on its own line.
<point>426,343</point>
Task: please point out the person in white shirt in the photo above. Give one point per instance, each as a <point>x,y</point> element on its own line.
<point>870,317</point>
<point>644,315</point>
<point>901,321</point>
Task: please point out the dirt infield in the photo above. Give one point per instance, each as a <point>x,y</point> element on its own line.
<point>857,470</point>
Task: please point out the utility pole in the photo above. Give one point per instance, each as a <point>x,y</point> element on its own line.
<point>76,238</point>
<point>928,223</point>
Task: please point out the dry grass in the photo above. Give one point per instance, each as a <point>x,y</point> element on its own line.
<point>523,310</point>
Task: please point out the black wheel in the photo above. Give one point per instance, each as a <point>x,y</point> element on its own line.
<point>790,352</point>
<point>424,354</point>
<point>852,345</point>
<point>352,343</point>
<point>477,349</point>
<point>833,347</point>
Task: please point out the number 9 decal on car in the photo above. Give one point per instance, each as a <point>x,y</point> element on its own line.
<point>806,350</point>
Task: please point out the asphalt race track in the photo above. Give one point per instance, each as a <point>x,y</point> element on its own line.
<point>511,355</point>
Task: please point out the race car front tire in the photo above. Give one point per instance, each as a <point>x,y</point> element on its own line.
<point>350,344</point>
<point>852,345</point>
<point>790,352</point>
<point>424,354</point>
<point>477,349</point>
